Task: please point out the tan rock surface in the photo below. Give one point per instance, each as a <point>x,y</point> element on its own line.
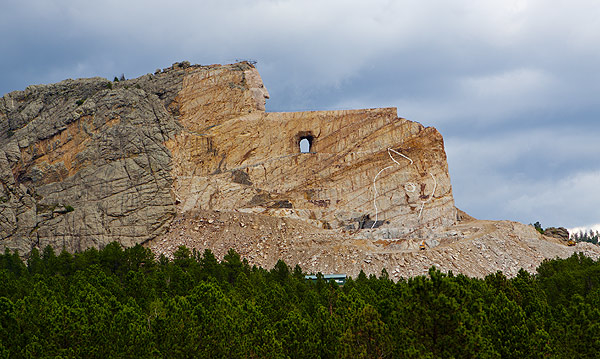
<point>253,163</point>
<point>188,155</point>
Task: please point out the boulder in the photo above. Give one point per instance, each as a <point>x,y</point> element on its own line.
<point>560,233</point>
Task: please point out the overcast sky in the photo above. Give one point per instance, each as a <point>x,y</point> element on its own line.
<point>512,85</point>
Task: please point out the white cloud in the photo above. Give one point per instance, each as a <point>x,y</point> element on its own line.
<point>594,227</point>
<point>544,147</point>
<point>500,95</point>
<point>528,176</point>
<point>569,201</point>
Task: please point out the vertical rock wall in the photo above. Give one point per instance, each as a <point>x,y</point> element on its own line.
<point>363,165</point>
<point>87,162</point>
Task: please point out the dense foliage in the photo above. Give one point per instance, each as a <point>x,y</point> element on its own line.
<point>123,303</point>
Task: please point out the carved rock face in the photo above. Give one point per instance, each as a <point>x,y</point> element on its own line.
<point>348,173</point>
<point>87,162</point>
<point>257,88</point>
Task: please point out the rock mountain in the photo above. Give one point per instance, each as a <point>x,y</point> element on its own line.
<point>188,155</point>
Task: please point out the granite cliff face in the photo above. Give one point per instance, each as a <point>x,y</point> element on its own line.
<point>83,164</point>
<point>87,162</point>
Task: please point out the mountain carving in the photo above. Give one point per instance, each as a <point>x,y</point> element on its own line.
<point>188,155</point>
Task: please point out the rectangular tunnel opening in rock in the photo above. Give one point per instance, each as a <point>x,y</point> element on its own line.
<point>305,144</point>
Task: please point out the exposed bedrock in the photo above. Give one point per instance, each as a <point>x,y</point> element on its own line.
<point>188,155</point>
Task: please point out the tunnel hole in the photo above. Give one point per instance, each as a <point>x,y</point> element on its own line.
<point>305,143</point>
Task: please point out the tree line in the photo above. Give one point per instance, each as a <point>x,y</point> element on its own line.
<point>589,236</point>
<point>124,302</point>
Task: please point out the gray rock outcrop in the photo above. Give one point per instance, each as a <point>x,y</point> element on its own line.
<point>83,162</point>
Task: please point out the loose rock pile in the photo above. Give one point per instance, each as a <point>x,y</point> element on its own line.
<point>474,248</point>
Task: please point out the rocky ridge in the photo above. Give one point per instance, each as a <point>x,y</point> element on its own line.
<point>188,156</point>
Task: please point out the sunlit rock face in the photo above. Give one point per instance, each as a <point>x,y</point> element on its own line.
<point>86,162</point>
<point>363,168</point>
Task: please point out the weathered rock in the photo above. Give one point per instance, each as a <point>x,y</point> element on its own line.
<point>95,148</point>
<point>188,156</point>
<point>560,233</point>
<point>475,248</point>
<point>337,182</point>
